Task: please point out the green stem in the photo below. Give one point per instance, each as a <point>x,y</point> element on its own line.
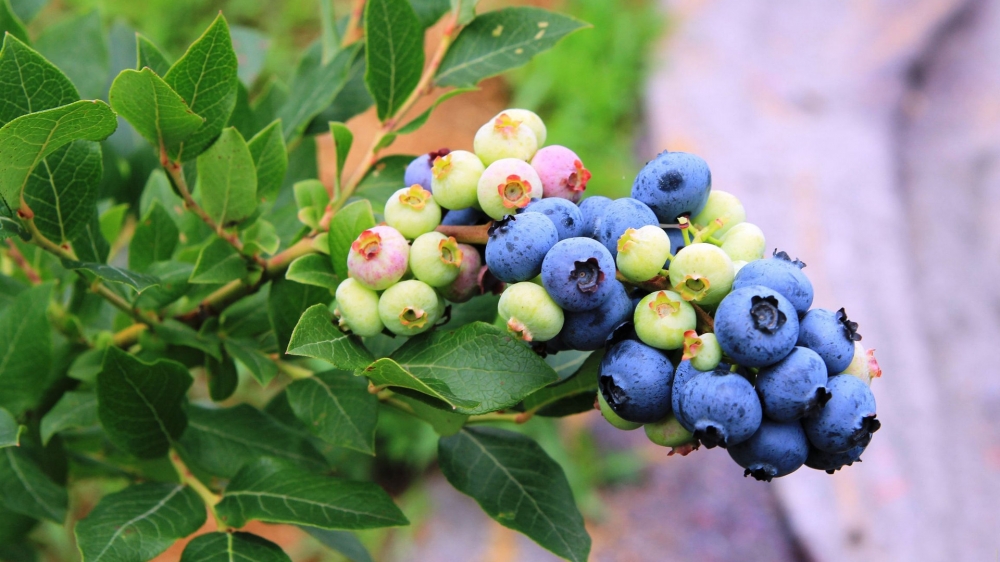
<point>210,498</point>
<point>292,370</point>
<point>497,416</point>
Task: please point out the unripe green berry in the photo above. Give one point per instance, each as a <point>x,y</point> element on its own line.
<point>613,418</point>
<point>864,365</point>
<point>409,308</point>
<point>661,318</point>
<point>703,351</point>
<point>466,285</point>
<point>738,265</point>
<point>724,206</point>
<point>506,186</point>
<point>412,211</point>
<point>668,432</point>
<point>454,178</point>
<point>702,273</point>
<point>357,308</point>
<point>530,119</point>
<point>530,313</point>
<point>435,259</point>
<point>504,137</point>
<point>642,252</point>
<point>744,242</point>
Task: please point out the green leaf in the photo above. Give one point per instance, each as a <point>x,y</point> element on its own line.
<point>317,336</point>
<point>247,316</point>
<point>421,119</point>
<point>247,352</point>
<point>501,40</point>
<point>352,100</point>
<point>206,78</point>
<point>10,430</point>
<point>175,333</point>
<point>343,138</point>
<point>10,228</point>
<point>79,46</point>
<point>260,237</point>
<point>112,221</point>
<point>277,492</point>
<point>25,141</point>
<point>227,547</point>
<point>150,56</point>
<point>62,190</point>
<point>251,50</point>
<point>270,160</point>
<point>344,542</point>
<point>90,245</point>
<point>345,227</point>
<point>518,485</point>
<point>139,403</point>
<point>268,103</point>
<point>394,53</point>
<point>430,11</point>
<point>26,349</point>
<point>479,363</point>
<point>10,23</point>
<point>388,373</point>
<point>385,177</point>
<point>173,285</point>
<point>287,303</point>
<point>221,441</point>
<point>242,117</point>
<point>27,9</point>
<point>567,363</point>
<point>154,240</point>
<point>466,10</point>
<point>76,409</point>
<point>138,281</point>
<point>311,197</point>
<point>139,522</point>
<point>29,82</point>
<point>314,86</point>
<point>337,407</point>
<point>313,269</point>
<point>153,108</point>
<point>386,141</point>
<point>483,308</point>
<point>222,377</point>
<point>24,488</point>
<point>227,179</point>
<point>86,365</point>
<point>581,384</point>
<point>218,262</point>
<point>445,423</point>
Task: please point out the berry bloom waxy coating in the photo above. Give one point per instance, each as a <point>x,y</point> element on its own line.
<point>593,209</point>
<point>642,252</point>
<point>662,318</point>
<point>723,207</point>
<point>561,171</point>
<point>578,273</point>
<point>793,387</point>
<point>756,326</point>
<point>782,274</point>
<point>357,307</point>
<point>378,257</point>
<point>412,211</point>
<point>673,184</point>
<point>635,380</point>
<point>409,308</point>
<point>702,273</point>
<point>776,449</point>
<point>530,313</point>
<point>832,462</point>
<point>435,259</point>
<point>589,330</point>
<point>505,137</point>
<point>564,215</point>
<point>831,335</point>
<point>506,186</point>
<point>454,178</point>
<point>620,216</point>
<point>719,408</point>
<point>517,246</point>
<point>847,420</point>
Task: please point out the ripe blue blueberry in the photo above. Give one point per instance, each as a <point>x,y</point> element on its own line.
<point>832,462</point>
<point>419,170</point>
<point>756,326</point>
<point>464,217</point>
<point>620,216</point>
<point>517,246</point>
<point>635,380</point>
<point>590,329</point>
<point>781,274</point>
<point>592,209</point>
<point>673,184</point>
<point>685,372</point>
<point>831,335</point>
<point>847,420</point>
<point>776,449</point>
<point>721,408</point>
<point>577,272</point>
<point>793,387</point>
<point>562,212</point>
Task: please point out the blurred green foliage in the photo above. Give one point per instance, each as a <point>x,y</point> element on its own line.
<point>589,91</point>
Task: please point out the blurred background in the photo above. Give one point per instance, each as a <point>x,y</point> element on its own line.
<point>862,136</point>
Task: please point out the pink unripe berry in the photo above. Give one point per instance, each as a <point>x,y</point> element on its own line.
<point>561,171</point>
<point>506,186</point>
<point>378,258</point>
<point>466,285</point>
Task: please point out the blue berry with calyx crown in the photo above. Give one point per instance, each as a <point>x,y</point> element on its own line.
<point>518,244</point>
<point>832,462</point>
<point>621,215</point>
<point>793,387</point>
<point>593,209</point>
<point>682,375</point>
<point>782,274</point>
<point>673,184</point>
<point>756,326</point>
<point>848,419</point>
<point>635,380</point>
<point>419,170</point>
<point>776,449</point>
<point>720,408</point>
<point>831,335</point>
<point>563,213</point>
<point>589,330</point>
<point>578,273</point>
<point>469,216</point>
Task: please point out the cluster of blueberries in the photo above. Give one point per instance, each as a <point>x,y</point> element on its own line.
<point>708,342</point>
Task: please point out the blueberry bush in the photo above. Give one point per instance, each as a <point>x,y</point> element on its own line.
<point>170,268</point>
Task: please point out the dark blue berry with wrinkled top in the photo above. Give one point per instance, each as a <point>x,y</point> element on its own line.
<point>518,244</point>
<point>847,420</point>
<point>831,335</point>
<point>832,462</point>
<point>562,212</point>
<point>578,273</point>
<point>775,449</point>
<point>684,373</point>
<point>674,184</point>
<point>756,326</point>
<point>635,380</point>
<point>793,387</point>
<point>782,274</point>
<point>721,408</point>
<point>621,215</point>
<point>589,330</point>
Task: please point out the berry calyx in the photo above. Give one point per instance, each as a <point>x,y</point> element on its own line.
<point>767,317</point>
<point>378,257</point>
<point>368,245</point>
<point>515,193</point>
<point>413,317</point>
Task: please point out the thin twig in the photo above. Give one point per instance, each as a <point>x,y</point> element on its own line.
<point>210,498</point>
<point>129,336</point>
<point>22,263</point>
<point>467,234</point>
<point>354,30</point>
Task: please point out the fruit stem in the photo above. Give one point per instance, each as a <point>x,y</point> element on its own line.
<point>354,31</point>
<point>293,371</point>
<point>210,498</point>
<point>517,417</point>
<point>706,319</point>
<point>18,258</point>
<point>478,234</point>
<point>658,283</point>
<point>128,337</point>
